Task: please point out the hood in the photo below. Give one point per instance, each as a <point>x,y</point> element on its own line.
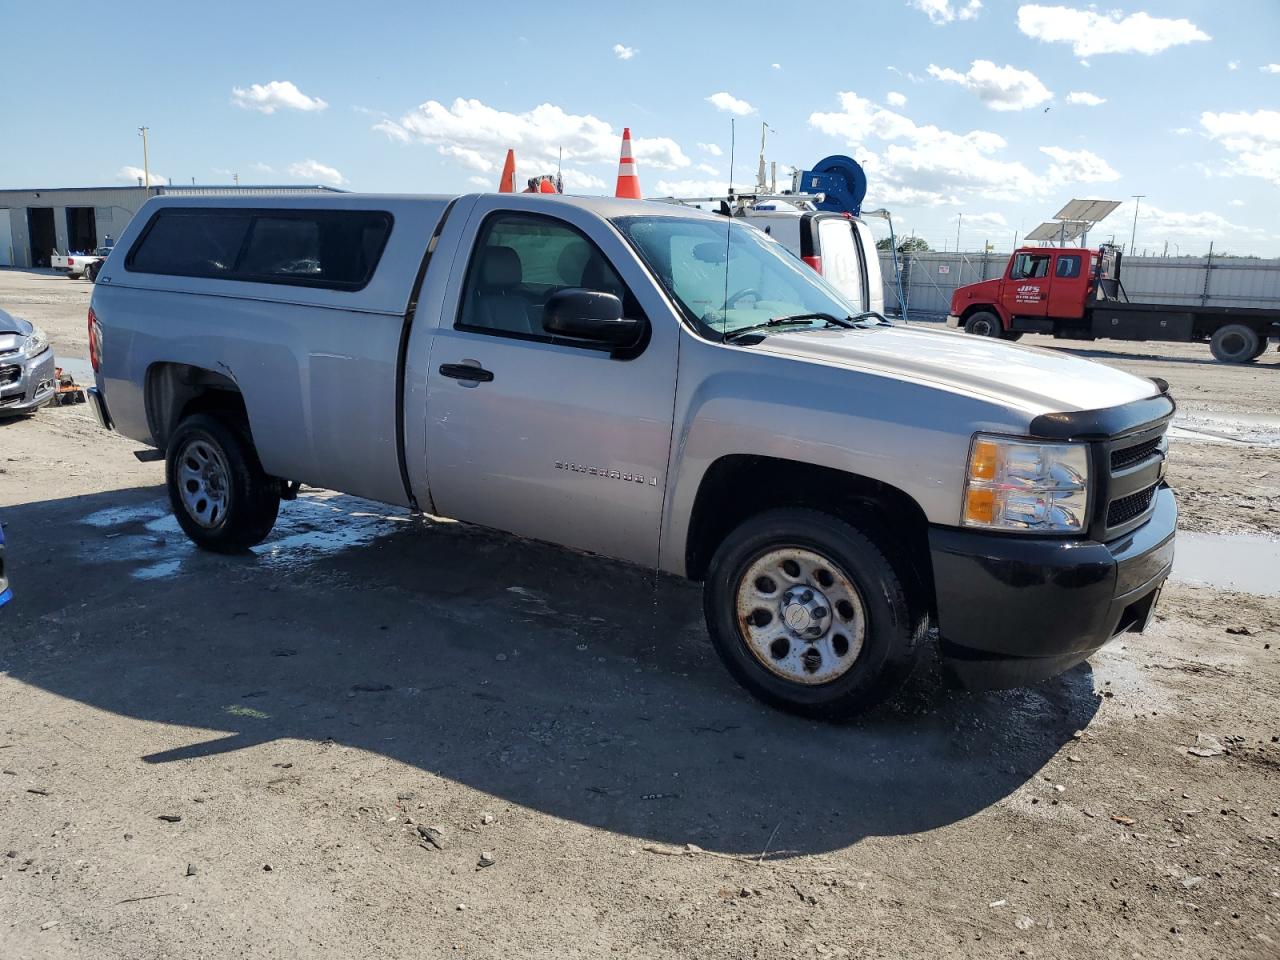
<point>11,324</point>
<point>1037,380</point>
<point>987,291</point>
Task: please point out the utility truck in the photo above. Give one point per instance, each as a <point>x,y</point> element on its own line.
<point>1074,293</point>
<point>658,385</point>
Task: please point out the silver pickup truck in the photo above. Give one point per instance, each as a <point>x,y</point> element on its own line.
<point>656,385</point>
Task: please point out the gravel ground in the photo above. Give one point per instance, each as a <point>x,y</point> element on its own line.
<point>312,750</point>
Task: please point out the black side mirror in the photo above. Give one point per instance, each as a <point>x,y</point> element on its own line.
<point>590,315</point>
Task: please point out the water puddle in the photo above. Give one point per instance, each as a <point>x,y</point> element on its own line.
<point>313,526</point>
<point>1251,429</point>
<point>1240,562</point>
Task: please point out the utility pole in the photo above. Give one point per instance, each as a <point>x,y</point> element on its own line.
<point>1137,202</point>
<point>959,220</point>
<point>235,177</point>
<point>146,162</point>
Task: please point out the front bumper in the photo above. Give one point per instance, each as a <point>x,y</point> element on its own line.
<point>953,320</point>
<point>1014,611</point>
<point>31,388</point>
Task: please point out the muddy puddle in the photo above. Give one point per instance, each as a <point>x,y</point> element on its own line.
<point>1255,430</point>
<point>1239,562</point>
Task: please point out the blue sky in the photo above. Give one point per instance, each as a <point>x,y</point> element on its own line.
<point>955,107</point>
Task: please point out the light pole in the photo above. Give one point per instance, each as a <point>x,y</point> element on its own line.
<point>1137,202</point>
<point>893,246</point>
<point>146,162</point>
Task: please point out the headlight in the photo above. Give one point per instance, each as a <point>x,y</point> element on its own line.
<point>36,343</point>
<point>1028,486</point>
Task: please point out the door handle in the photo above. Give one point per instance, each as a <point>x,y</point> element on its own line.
<point>466,372</point>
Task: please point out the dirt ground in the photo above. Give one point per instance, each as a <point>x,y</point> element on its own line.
<point>311,750</point>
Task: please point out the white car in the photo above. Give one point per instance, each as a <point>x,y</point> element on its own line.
<point>80,265</point>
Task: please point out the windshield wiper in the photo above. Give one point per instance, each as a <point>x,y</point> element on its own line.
<point>795,320</point>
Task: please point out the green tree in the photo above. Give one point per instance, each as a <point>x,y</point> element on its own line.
<point>909,245</point>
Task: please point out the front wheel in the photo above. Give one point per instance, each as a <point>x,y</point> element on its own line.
<point>809,615</point>
<point>984,324</point>
<point>220,495</point>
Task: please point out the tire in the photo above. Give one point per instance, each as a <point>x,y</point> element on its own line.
<point>984,324</point>
<point>1236,343</point>
<point>220,495</point>
<point>861,595</point>
<point>1263,344</point>
<point>91,273</point>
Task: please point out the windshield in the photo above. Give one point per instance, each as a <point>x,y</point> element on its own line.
<point>729,277</point>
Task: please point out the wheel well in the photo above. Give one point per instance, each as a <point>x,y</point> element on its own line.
<point>973,308</point>
<point>735,488</point>
<point>174,391</point>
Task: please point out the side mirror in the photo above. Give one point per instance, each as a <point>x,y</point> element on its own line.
<point>591,315</point>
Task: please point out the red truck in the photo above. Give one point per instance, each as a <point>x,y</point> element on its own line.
<point>1073,293</point>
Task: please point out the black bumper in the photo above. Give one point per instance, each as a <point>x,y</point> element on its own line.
<point>1013,611</point>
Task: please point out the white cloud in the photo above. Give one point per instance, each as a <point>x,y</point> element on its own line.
<point>945,11</point>
<point>481,181</point>
<point>1000,88</point>
<point>1156,225</point>
<point>579,181</point>
<point>624,52</point>
<point>993,220</point>
<point>1233,64</point>
<point>1271,68</point>
<point>1251,139</point>
<point>1235,203</point>
<point>708,169</point>
<point>263,167</point>
<point>1085,99</point>
<point>730,104</point>
<point>896,99</point>
<point>1091,33</point>
<point>132,175</point>
<point>712,149</point>
<point>925,164</point>
<point>273,96</point>
<point>312,170</point>
<point>776,66</point>
<point>1078,166</point>
<point>1182,131</point>
<point>691,188</point>
<point>472,131</point>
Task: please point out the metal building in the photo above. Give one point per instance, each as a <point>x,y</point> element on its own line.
<point>35,223</point>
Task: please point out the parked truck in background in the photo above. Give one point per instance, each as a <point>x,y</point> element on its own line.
<point>77,265</point>
<point>1074,293</point>
<point>653,384</point>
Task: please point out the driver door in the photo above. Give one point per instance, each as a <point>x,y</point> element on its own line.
<point>1030,279</point>
<point>545,437</point>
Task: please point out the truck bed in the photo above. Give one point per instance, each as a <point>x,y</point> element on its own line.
<point>1120,320</point>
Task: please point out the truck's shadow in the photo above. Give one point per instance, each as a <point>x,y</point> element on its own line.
<point>562,683</point>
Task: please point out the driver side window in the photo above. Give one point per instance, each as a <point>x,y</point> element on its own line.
<point>1030,266</point>
<point>519,261</point>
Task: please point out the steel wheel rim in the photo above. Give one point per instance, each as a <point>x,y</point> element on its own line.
<point>982,328</point>
<point>1233,344</point>
<point>204,482</point>
<point>800,615</point>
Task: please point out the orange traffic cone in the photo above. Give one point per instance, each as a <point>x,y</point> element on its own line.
<point>507,183</point>
<point>546,186</point>
<point>628,182</point>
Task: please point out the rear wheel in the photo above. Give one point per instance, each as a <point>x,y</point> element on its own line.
<point>91,273</point>
<point>983,324</point>
<point>1263,343</point>
<point>220,495</point>
<point>809,615</point>
<point>1236,343</point>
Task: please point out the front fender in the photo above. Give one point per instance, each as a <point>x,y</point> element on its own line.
<point>740,401</point>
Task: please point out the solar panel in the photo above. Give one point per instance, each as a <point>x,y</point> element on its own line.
<point>1053,231</point>
<point>1089,211</point>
